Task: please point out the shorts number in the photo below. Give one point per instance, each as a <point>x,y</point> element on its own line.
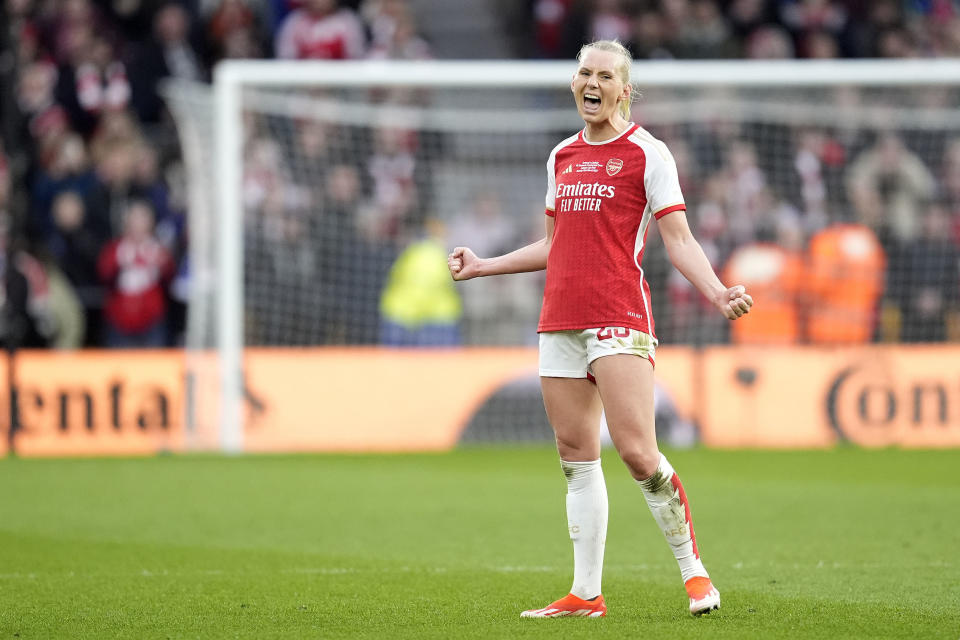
<point>613,332</point>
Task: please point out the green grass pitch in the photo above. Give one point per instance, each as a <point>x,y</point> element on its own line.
<point>837,544</point>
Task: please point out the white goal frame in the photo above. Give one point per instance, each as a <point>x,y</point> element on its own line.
<point>232,77</point>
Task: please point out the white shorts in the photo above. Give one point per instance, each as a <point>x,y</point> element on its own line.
<point>569,354</point>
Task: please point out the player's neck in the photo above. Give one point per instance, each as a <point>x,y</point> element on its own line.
<point>606,130</point>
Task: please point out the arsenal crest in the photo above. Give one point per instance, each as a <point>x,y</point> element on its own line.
<point>613,166</point>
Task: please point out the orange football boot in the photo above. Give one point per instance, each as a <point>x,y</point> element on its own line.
<point>704,597</point>
<point>570,605</point>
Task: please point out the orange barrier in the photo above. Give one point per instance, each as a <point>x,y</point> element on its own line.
<point>373,399</point>
<point>99,402</point>
<point>873,396</point>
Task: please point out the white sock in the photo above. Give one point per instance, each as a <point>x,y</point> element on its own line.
<point>669,506</point>
<point>587,524</point>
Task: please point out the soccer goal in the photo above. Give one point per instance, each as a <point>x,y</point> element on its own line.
<point>308,180</point>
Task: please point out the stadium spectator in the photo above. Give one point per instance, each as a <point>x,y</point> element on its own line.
<point>803,17</point>
<point>650,37</point>
<point>93,81</point>
<point>21,31</point>
<point>769,42</point>
<point>136,269</point>
<point>48,313</point>
<point>55,312</point>
<point>115,128</point>
<point>843,285</point>
<point>67,168</point>
<point>74,247</point>
<point>63,24</point>
<point>550,20</point>
<point>942,26</point>
<point>704,34</point>
<point>171,52</point>
<point>391,170</point>
<point>608,21</point>
<point>491,306</point>
<point>321,30</point>
<point>314,145</point>
<point>773,269</point>
<point>923,294</point>
<point>812,181</point>
<point>44,119</point>
<point>114,187</point>
<point>420,306</point>
<point>66,316</point>
<point>897,42</point>
<point>879,17</point>
<point>746,191</point>
<point>266,174</point>
<point>234,30</point>
<point>887,186</point>
<point>745,16</point>
<point>819,45</point>
<point>818,164</point>
<point>361,258</point>
<point>487,228</point>
<point>286,258</point>
<point>147,183</point>
<point>395,35</point>
<point>17,328</point>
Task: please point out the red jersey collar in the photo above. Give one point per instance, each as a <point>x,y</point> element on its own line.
<point>626,132</point>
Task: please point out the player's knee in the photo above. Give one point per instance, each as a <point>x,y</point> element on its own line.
<point>575,449</point>
<point>641,464</point>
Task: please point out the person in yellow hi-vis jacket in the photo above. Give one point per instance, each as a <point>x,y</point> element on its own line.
<point>420,305</point>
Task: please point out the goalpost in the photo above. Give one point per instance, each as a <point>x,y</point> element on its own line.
<point>308,178</point>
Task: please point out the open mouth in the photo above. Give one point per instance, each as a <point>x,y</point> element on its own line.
<point>591,102</point>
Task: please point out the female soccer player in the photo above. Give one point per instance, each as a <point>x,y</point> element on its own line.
<point>605,185</point>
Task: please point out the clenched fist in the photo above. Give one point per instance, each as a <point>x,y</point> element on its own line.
<point>734,302</point>
<point>463,264</point>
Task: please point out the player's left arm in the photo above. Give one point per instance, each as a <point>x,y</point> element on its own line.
<point>687,256</point>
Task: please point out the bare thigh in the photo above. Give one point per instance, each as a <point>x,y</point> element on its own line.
<point>573,408</point>
<point>625,383</point>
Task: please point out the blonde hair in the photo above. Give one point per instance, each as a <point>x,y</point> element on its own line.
<point>622,69</point>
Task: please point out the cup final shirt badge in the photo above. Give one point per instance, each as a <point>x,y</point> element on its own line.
<point>613,166</point>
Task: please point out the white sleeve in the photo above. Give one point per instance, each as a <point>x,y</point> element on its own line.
<point>551,199</point>
<point>660,180</point>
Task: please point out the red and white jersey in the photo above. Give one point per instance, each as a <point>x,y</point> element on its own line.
<point>603,196</point>
<point>337,36</point>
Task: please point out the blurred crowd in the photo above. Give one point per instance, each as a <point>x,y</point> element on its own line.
<point>92,186</point>
<point>849,237</point>
<point>708,29</point>
<point>844,236</point>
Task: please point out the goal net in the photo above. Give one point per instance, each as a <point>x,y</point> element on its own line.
<point>325,195</point>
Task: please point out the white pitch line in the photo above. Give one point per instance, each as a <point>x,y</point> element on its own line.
<point>508,569</point>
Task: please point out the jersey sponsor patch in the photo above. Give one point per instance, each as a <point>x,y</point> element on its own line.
<point>591,166</point>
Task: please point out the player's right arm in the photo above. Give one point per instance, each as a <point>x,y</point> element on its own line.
<point>464,263</point>
<point>688,257</point>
